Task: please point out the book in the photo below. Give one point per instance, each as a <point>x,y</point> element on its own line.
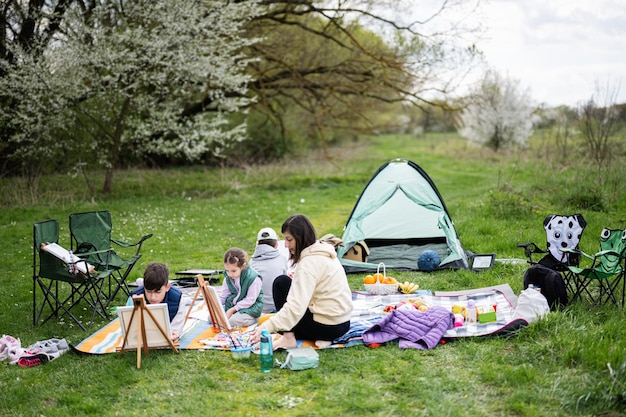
<point>75,263</point>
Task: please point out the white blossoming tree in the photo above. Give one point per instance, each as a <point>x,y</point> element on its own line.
<point>115,80</point>
<point>499,114</point>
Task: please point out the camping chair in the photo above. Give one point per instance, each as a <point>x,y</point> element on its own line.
<point>563,234</point>
<point>50,270</point>
<point>606,269</point>
<point>621,278</point>
<point>90,238</point>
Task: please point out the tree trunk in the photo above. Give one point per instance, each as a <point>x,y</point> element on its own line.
<point>108,181</point>
<point>114,152</point>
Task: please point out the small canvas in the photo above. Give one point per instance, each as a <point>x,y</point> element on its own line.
<point>216,309</point>
<point>154,337</point>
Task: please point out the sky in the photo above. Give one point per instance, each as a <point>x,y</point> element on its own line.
<point>560,49</point>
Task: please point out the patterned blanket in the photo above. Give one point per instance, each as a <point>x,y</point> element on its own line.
<point>372,308</point>
<point>368,310</point>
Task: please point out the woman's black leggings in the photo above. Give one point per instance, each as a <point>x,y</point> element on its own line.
<point>307,328</point>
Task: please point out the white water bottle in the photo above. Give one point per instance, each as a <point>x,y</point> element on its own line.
<point>470,313</point>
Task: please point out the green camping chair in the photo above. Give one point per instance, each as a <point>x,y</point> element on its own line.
<point>606,269</point>
<point>61,281</point>
<point>91,240</point>
<point>614,283</point>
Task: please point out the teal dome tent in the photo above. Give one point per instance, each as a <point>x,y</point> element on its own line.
<point>399,215</point>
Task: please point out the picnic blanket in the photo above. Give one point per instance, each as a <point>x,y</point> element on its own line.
<point>368,310</point>
<point>502,297</point>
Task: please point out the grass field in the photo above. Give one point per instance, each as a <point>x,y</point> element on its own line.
<point>573,362</point>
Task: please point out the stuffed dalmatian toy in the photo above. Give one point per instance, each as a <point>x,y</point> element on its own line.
<point>563,232</point>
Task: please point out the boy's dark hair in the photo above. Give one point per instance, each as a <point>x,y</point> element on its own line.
<point>271,242</point>
<point>155,276</point>
<point>303,232</point>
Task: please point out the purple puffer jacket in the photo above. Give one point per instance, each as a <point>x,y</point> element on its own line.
<point>415,329</point>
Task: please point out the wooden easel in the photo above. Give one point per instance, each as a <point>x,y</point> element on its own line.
<point>139,308</point>
<point>218,321</point>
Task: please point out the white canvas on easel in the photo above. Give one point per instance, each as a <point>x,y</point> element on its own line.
<point>214,305</point>
<point>145,326</point>
<point>219,315</point>
<point>154,335</point>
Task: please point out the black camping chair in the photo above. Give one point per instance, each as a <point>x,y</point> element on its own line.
<point>91,239</point>
<point>61,281</point>
<point>563,234</point>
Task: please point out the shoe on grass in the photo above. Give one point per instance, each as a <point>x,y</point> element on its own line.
<point>30,360</point>
<point>9,346</point>
<point>52,347</point>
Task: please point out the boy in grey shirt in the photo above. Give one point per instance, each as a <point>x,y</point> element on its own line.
<point>268,262</point>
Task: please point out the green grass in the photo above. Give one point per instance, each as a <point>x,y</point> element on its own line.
<point>571,363</point>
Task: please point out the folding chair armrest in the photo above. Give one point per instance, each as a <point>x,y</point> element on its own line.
<point>530,248</point>
<point>124,244</point>
<point>608,252</point>
<point>94,252</point>
<point>127,245</point>
<point>102,263</point>
<point>577,252</point>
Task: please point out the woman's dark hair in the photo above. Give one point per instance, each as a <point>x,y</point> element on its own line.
<point>303,232</point>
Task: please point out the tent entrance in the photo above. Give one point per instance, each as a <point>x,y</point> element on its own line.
<point>403,253</point>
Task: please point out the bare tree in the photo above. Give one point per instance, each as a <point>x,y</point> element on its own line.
<point>598,122</point>
<point>340,64</point>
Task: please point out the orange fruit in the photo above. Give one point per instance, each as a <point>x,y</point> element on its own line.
<point>378,277</point>
<point>389,280</point>
<point>369,279</point>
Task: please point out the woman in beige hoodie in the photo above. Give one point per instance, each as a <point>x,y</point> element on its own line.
<point>316,304</point>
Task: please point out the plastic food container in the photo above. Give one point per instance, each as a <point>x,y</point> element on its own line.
<point>241,353</point>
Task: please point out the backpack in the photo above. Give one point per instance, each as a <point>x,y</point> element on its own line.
<point>549,282</point>
<point>359,252</point>
<point>531,305</point>
<point>333,240</point>
<point>301,358</point>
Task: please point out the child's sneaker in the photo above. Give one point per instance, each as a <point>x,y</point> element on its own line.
<point>8,344</point>
<point>31,360</point>
<point>51,347</point>
<point>46,346</point>
<point>12,349</point>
